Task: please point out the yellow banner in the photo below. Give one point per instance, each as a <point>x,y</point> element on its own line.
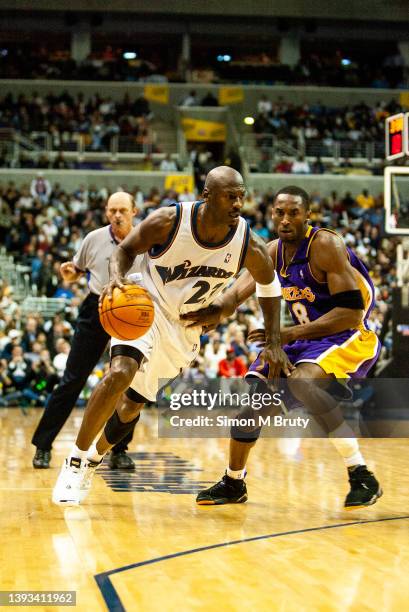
<point>208,131</point>
<point>230,95</point>
<point>157,93</point>
<point>179,182</point>
<point>404,98</point>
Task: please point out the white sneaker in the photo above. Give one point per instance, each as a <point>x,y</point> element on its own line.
<point>88,474</point>
<point>67,489</point>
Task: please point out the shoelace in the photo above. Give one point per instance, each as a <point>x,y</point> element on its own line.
<point>360,478</point>
<point>224,483</point>
<point>75,473</point>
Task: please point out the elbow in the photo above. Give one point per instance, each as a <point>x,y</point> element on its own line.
<point>347,318</point>
<point>355,317</point>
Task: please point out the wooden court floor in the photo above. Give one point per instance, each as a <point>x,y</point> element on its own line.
<point>141,543</point>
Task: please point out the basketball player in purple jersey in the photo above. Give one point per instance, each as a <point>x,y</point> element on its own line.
<point>330,296</point>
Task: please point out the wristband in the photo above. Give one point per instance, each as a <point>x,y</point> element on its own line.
<point>273,289</point>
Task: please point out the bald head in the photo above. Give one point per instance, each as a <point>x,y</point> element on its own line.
<point>223,194</point>
<point>120,198</point>
<point>120,210</point>
<point>223,177</point>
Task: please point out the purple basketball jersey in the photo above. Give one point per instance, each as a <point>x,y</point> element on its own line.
<point>307,298</point>
<point>351,352</point>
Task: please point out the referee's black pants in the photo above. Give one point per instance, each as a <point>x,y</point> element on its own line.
<point>87,346</point>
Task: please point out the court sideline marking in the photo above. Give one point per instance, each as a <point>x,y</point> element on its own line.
<point>113,601</point>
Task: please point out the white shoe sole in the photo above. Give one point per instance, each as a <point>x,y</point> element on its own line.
<point>70,502</point>
<point>65,502</point>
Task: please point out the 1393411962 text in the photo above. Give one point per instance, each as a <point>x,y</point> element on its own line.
<point>36,598</point>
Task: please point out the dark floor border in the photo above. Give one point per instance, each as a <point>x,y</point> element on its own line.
<point>113,601</point>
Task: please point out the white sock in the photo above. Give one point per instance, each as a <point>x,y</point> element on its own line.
<point>78,453</point>
<point>344,440</point>
<point>236,474</point>
<point>355,459</point>
<point>93,455</point>
<point>343,431</point>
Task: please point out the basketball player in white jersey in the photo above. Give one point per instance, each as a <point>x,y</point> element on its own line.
<point>190,253</point>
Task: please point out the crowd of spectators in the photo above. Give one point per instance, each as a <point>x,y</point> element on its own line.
<point>41,230</point>
<point>38,62</point>
<point>322,67</point>
<point>60,121</point>
<point>317,121</point>
<point>336,69</point>
<point>66,119</point>
<point>301,164</point>
<point>314,129</point>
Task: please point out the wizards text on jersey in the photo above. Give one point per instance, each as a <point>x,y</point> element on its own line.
<point>186,270</point>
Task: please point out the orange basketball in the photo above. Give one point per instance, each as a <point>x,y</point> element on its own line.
<point>129,314</point>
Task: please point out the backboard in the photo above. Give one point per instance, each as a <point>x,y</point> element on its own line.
<point>396,194</point>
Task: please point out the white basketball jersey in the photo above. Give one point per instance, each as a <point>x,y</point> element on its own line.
<point>186,274</point>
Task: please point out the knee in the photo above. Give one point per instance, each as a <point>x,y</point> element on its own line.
<point>245,435</point>
<point>117,381</point>
<point>246,428</point>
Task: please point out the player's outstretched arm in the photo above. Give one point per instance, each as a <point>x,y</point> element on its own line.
<point>329,254</point>
<point>259,264</point>
<point>227,303</point>
<point>155,229</point>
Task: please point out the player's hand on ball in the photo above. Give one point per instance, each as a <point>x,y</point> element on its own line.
<point>277,361</point>
<point>129,314</point>
<point>208,317</point>
<point>108,289</point>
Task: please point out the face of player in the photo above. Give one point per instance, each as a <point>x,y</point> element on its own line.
<point>226,202</point>
<point>290,217</point>
<point>120,215</point>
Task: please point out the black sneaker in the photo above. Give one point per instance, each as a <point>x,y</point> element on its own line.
<point>227,491</point>
<point>120,461</point>
<point>41,459</point>
<point>365,489</point>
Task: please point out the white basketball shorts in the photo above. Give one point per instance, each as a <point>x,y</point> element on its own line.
<point>167,347</point>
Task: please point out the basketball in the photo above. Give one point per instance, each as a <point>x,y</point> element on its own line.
<point>129,314</point>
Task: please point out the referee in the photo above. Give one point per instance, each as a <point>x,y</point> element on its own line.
<point>90,339</point>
